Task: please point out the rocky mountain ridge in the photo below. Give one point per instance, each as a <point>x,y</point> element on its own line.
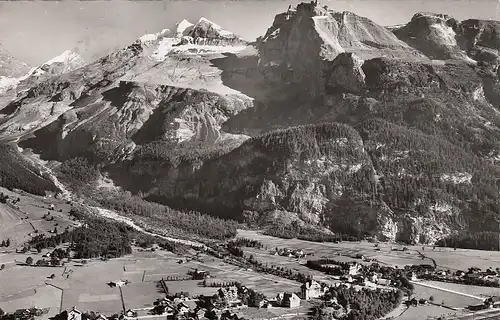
<point>329,120</point>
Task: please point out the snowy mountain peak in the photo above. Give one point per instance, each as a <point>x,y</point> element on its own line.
<point>183,27</point>
<point>207,24</point>
<point>65,62</point>
<point>66,56</point>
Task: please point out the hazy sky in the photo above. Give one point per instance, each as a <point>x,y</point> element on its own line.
<point>36,31</point>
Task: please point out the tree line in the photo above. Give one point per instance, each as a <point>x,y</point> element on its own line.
<point>185,223</point>
<point>483,240</point>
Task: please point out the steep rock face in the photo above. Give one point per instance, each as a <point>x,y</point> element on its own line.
<point>207,32</point>
<point>433,34</point>
<point>303,39</point>
<point>287,170</point>
<point>379,139</point>
<point>482,40</point>
<point>351,181</point>
<point>441,36</point>
<point>346,74</point>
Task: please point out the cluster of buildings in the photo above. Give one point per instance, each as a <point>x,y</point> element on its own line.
<point>474,276</point>
<point>291,253</point>
<point>355,274</point>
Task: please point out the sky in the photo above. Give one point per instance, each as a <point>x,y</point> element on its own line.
<point>36,31</point>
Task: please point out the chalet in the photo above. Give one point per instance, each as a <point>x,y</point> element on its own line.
<point>369,285</point>
<point>244,289</point>
<point>384,282</point>
<point>298,253</point>
<point>492,301</point>
<point>459,273</point>
<point>74,314</point>
<point>413,276</point>
<point>199,274</point>
<point>412,302</point>
<point>265,304</point>
<point>130,313</point>
<point>288,300</point>
<point>228,294</point>
<point>473,276</point>
<point>478,307</point>
<point>164,309</point>
<point>311,289</point>
<point>354,269</point>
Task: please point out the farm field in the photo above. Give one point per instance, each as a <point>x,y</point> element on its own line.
<point>43,297</point>
<point>19,221</point>
<point>344,251</point>
<point>441,297</point>
<point>425,312</point>
<point>479,291</point>
<point>460,259</point>
<point>86,286</point>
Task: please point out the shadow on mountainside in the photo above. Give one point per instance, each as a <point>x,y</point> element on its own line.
<point>278,103</point>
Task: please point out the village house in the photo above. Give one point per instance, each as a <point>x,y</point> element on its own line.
<point>265,304</point>
<point>492,302</point>
<point>311,290</point>
<point>354,269</point>
<point>288,300</point>
<point>384,282</point>
<point>74,314</point>
<point>460,273</point>
<point>130,313</point>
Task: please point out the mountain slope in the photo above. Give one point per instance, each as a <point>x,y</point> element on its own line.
<point>329,120</point>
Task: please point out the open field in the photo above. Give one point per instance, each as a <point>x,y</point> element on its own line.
<point>445,298</point>
<point>425,312</point>
<point>87,285</point>
<point>43,297</point>
<point>344,251</point>
<point>19,221</point>
<point>459,259</point>
<point>479,291</point>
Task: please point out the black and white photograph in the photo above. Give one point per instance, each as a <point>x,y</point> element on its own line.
<point>250,160</point>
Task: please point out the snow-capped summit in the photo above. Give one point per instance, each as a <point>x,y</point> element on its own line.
<point>182,28</point>
<point>10,70</point>
<point>66,56</point>
<point>205,28</point>
<point>65,62</point>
